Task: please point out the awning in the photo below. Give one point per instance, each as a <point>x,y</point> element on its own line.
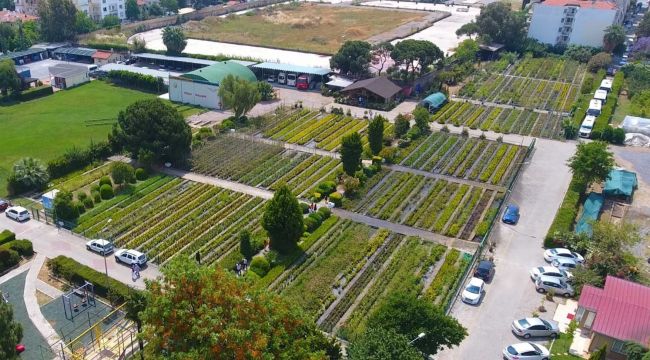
<point>340,82</point>
<point>292,68</point>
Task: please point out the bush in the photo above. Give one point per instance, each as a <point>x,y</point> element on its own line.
<point>8,259</point>
<point>325,212</point>
<point>260,265</point>
<point>6,236</point>
<point>326,187</point>
<point>566,214</point>
<point>88,203</point>
<point>317,216</point>
<point>22,247</point>
<point>78,274</point>
<point>105,180</point>
<point>137,81</point>
<point>141,174</point>
<point>618,136</point>
<point>304,207</point>
<point>311,224</point>
<point>76,159</point>
<point>81,208</point>
<point>94,188</point>
<point>336,198</point>
<point>106,191</point>
<point>81,196</point>
<point>97,198</point>
<point>35,93</point>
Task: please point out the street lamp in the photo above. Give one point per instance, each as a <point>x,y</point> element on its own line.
<point>420,336</point>
<point>108,222</point>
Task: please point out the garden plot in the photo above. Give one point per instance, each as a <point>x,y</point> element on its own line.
<point>436,205</point>
<point>549,68</point>
<point>463,157</point>
<point>259,164</point>
<point>444,283</point>
<point>498,119</point>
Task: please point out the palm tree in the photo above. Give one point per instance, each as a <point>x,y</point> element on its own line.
<point>31,173</point>
<point>614,36</point>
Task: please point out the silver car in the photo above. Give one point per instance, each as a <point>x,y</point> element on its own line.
<point>557,286</point>
<point>567,265</point>
<point>549,271</point>
<point>530,327</point>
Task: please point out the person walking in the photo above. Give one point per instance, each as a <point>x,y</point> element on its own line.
<point>137,271</point>
<point>133,272</point>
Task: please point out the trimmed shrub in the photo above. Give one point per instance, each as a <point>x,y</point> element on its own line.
<point>6,236</point>
<point>311,224</point>
<point>76,159</point>
<point>326,187</point>
<point>8,259</point>
<point>317,216</point>
<point>336,198</point>
<point>141,174</point>
<point>77,274</point>
<point>106,191</point>
<point>138,81</point>
<point>81,208</point>
<point>304,207</point>
<point>81,196</point>
<point>260,265</point>
<point>94,188</point>
<point>105,180</point>
<point>325,212</point>
<point>35,93</point>
<point>88,203</point>
<point>22,247</point>
<point>97,198</point>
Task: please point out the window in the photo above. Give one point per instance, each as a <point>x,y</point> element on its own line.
<point>104,9</point>
<point>120,6</point>
<point>618,347</point>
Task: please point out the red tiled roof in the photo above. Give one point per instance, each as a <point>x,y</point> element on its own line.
<point>9,16</point>
<point>622,309</point>
<point>588,4</point>
<point>103,55</point>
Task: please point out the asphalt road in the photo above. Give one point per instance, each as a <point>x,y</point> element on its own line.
<point>51,242</point>
<point>511,294</point>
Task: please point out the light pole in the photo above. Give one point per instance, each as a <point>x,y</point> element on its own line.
<point>420,336</point>
<point>108,222</point>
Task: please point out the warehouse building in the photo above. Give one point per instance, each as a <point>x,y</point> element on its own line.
<point>201,87</point>
<point>65,76</point>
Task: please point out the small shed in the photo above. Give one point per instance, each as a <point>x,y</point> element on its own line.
<point>490,51</point>
<point>620,183</point>
<point>373,90</point>
<point>590,212</point>
<point>66,75</point>
<point>47,199</point>
<point>434,102</point>
<point>102,57</point>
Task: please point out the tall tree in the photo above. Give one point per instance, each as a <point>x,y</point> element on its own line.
<point>351,150</point>
<point>382,344</point>
<point>613,38</point>
<point>379,56</point>
<point>497,23</point>
<point>174,40</point>
<point>64,207</point>
<point>353,58</point>
<point>591,162</point>
<point>599,61</point>
<point>153,127</point>
<point>466,51</point>
<point>409,315</point>
<point>132,10</point>
<point>643,30</point>
<point>416,55</point>
<point>421,116</point>
<point>376,134</point>
<point>9,79</point>
<point>84,24</point>
<point>7,37</point>
<point>402,125</point>
<point>12,332</point>
<point>283,220</point>
<point>204,312</point>
<point>58,18</point>
<point>169,5</point>
<point>245,246</point>
<point>239,95</point>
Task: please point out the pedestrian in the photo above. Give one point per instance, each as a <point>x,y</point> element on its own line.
<point>137,270</point>
<point>245,263</point>
<point>133,272</point>
<point>198,257</point>
<point>238,267</point>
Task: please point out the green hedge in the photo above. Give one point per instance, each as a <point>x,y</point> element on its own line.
<point>8,259</point>
<point>138,81</point>
<point>582,104</point>
<point>602,121</point>
<point>35,93</point>
<point>566,215</point>
<point>22,247</point>
<point>76,273</point>
<point>76,159</point>
<point>6,236</point>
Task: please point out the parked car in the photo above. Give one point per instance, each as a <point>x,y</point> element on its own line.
<point>545,284</point>
<point>3,205</point>
<point>526,351</point>
<point>535,326</point>
<point>552,271</point>
<point>270,78</point>
<point>555,253</point>
<point>17,213</point>
<point>567,265</point>
<point>484,270</point>
<point>511,214</point>
<point>473,291</point>
<point>130,257</point>
<point>100,246</point>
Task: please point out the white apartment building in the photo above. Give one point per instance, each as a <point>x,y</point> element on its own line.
<point>575,22</point>
<point>102,8</point>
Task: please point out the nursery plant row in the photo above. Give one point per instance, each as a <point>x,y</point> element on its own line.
<point>549,68</point>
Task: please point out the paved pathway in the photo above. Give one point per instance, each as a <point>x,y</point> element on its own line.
<point>267,194</point>
<point>513,139</point>
<point>48,289</point>
<point>31,303</point>
<point>506,106</point>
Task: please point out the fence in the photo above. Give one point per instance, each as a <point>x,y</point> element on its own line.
<point>479,251</point>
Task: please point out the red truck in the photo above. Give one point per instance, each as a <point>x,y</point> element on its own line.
<point>304,82</point>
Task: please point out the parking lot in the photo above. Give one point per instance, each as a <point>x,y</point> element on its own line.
<point>511,294</point>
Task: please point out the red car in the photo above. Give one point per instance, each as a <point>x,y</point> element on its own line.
<point>3,205</point>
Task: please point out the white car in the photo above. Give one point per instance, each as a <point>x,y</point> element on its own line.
<point>526,351</point>
<point>100,246</point>
<point>17,213</point>
<point>567,265</point>
<point>552,254</point>
<point>536,272</point>
<point>130,257</point>
<point>473,291</point>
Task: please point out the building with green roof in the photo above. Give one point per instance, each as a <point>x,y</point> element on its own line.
<point>201,86</point>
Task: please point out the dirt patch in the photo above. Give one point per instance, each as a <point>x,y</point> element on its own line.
<point>45,276</point>
<point>42,298</point>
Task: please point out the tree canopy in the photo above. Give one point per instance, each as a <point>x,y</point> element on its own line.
<point>641,104</point>
<point>643,30</point>
<point>409,315</point>
<point>379,56</point>
<point>9,79</point>
<point>497,23</point>
<point>376,134</point>
<point>12,332</point>
<point>203,312</point>
<point>402,126</point>
<point>599,61</point>
<point>83,24</point>
<point>58,19</point>
<point>382,344</point>
<point>238,94</point>
<point>28,174</point>
<point>283,220</point>
<point>122,173</point>
<point>421,116</point>
<point>591,162</point>
<point>613,38</point>
<point>132,10</point>
<point>353,58</point>
<point>351,150</point>
<point>416,55</point>
<point>153,127</point>
<point>174,40</point>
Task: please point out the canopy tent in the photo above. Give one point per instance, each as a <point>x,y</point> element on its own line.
<point>590,212</point>
<point>620,183</point>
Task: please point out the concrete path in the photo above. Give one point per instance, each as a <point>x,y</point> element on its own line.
<point>428,174</point>
<point>48,289</point>
<point>405,107</point>
<point>506,106</point>
<point>51,242</point>
<point>286,145</point>
<point>513,139</point>
<point>33,309</point>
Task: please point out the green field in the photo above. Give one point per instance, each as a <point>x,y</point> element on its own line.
<point>44,128</point>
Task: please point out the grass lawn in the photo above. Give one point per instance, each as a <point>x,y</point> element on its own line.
<point>560,349</point>
<point>622,109</point>
<point>306,27</point>
<point>44,128</point>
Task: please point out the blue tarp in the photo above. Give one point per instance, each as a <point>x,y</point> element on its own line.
<point>434,101</point>
<point>620,183</point>
<point>590,213</point>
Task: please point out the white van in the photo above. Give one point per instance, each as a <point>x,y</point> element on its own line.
<point>595,106</point>
<point>92,68</point>
<point>606,85</point>
<point>587,126</point>
<point>282,78</point>
<point>601,95</point>
<point>291,79</point>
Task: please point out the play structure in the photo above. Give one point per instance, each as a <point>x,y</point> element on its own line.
<point>78,299</point>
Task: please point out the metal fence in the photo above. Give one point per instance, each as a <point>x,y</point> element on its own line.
<point>479,251</point>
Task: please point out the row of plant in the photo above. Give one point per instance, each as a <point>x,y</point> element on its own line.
<point>443,285</point>
<point>548,68</point>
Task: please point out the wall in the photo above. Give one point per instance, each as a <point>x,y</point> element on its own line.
<point>545,22</point>
<point>77,79</point>
<point>190,92</point>
<point>599,340</point>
